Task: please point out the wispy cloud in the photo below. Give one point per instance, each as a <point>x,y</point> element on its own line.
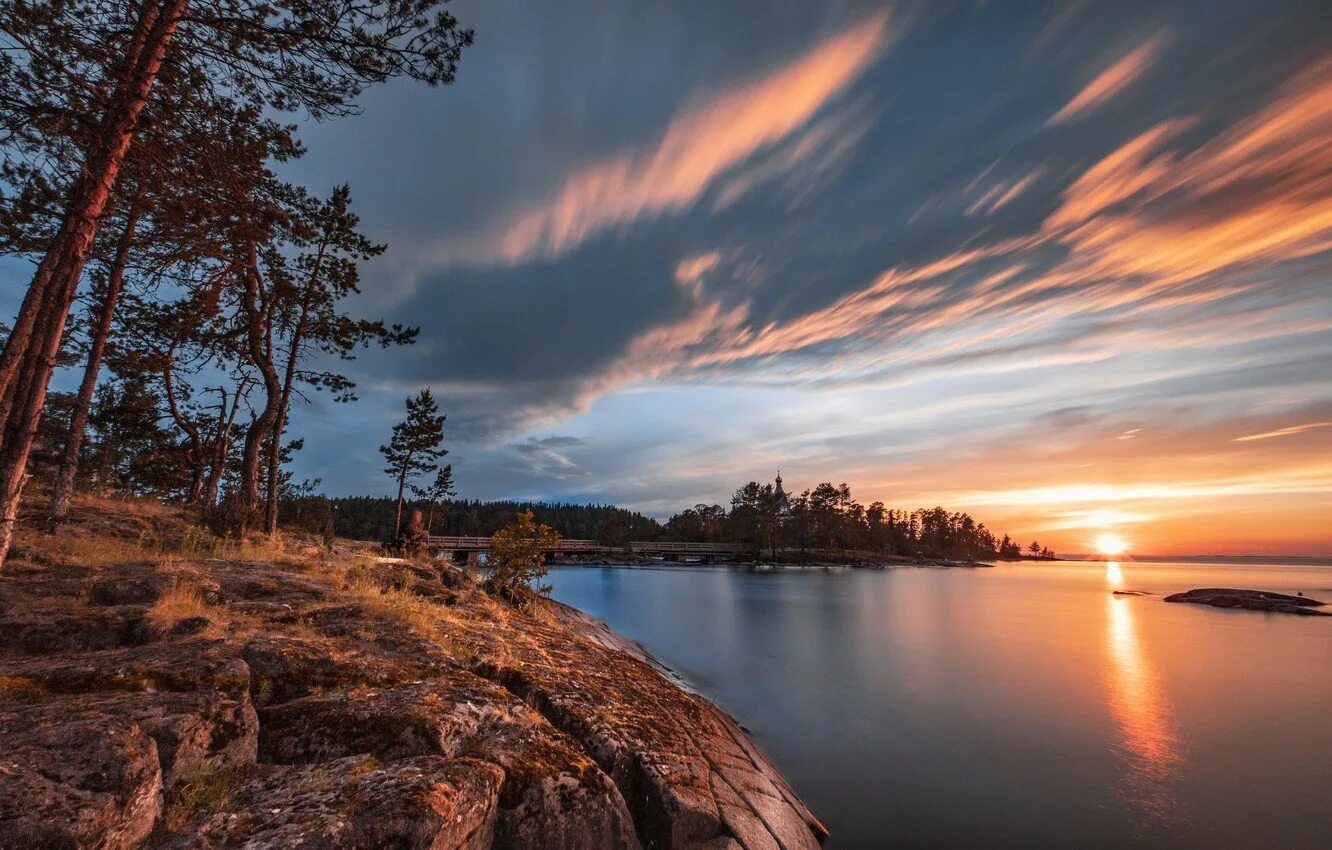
<point>699,146</point>
<point>1002,194</point>
<point>548,456</point>
<point>1111,81</point>
<point>1283,432</point>
<point>1143,229</point>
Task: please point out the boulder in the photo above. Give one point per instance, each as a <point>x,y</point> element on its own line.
<point>92,782</point>
<point>140,587</point>
<point>286,667</point>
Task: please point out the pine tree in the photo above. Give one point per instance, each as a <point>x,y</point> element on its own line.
<point>415,446</point>
<point>439,491</point>
<point>306,314</point>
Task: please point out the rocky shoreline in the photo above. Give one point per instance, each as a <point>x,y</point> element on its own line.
<point>302,700</point>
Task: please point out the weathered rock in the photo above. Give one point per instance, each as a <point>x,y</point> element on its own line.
<point>689,773</point>
<point>1252,600</point>
<point>185,665</point>
<point>62,626</point>
<point>201,731</point>
<point>465,724</point>
<point>553,795</point>
<point>93,783</point>
<point>144,586</point>
<point>430,802</point>
<point>287,667</point>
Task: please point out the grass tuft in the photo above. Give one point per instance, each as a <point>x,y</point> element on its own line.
<point>181,602</point>
<point>206,790</point>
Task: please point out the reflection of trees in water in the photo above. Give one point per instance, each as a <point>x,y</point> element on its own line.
<point>1150,759</point>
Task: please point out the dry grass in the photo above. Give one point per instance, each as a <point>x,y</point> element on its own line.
<point>181,602</point>
<point>88,550</point>
<point>18,685</point>
<point>202,792</point>
<point>416,612</point>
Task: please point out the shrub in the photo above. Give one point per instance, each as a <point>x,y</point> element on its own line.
<point>518,558</point>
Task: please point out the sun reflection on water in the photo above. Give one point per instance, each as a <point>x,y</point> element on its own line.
<point>1114,576</point>
<point>1149,748</point>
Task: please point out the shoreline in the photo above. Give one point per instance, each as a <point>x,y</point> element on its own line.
<point>332,696</point>
<point>827,566</point>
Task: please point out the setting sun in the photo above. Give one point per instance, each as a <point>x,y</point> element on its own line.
<point>1111,544</point>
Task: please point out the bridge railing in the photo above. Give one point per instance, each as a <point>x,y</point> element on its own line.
<point>459,543</point>
<point>445,542</point>
<point>674,548</point>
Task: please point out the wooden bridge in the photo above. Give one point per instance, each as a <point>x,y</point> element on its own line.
<point>440,544</point>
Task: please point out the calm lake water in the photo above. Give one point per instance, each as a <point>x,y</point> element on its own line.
<point>1019,706</point>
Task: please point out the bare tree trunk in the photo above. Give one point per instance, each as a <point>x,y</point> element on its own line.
<point>29,356</point>
<point>288,381</point>
<point>397,518</point>
<point>216,452</point>
<point>260,342</point>
<point>63,491</point>
<point>196,451</point>
<point>226,420</point>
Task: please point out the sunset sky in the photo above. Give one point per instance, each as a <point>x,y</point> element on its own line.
<point>1068,268</point>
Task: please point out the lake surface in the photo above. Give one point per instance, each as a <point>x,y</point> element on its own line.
<point>1019,706</point>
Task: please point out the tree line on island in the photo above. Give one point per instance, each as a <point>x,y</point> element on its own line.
<point>827,518</point>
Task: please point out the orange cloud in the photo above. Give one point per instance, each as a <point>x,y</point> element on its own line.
<point>1002,193</point>
<point>698,147</point>
<point>1111,81</point>
<point>1282,432</point>
<point>1138,223</point>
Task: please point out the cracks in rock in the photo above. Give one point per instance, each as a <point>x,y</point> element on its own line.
<point>649,825</point>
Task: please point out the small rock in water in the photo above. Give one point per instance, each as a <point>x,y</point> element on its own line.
<point>1252,600</point>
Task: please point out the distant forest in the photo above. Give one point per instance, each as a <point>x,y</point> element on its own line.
<point>761,518</point>
<point>372,518</point>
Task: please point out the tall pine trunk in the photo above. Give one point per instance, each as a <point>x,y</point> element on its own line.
<point>221,446</point>
<point>402,484</point>
<point>195,453</point>
<point>259,340</point>
<point>63,491</point>
<point>284,403</point>
<point>29,356</point>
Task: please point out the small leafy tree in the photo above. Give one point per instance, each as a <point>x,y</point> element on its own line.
<point>415,445</point>
<point>439,491</point>
<point>518,557</point>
